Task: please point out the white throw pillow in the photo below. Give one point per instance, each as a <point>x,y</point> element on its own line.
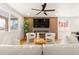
<point>72,39</point>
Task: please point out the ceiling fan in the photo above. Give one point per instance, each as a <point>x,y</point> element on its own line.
<point>43,9</point>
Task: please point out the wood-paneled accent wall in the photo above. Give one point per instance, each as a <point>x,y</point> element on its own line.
<point>53,24</point>
<point>30,21</point>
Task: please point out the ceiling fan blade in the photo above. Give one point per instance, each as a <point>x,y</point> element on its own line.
<point>45,13</point>
<point>43,6</point>
<point>38,13</point>
<point>36,9</point>
<point>50,10</point>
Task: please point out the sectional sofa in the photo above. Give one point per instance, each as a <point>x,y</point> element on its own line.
<point>20,50</point>
<point>48,49</point>
<point>66,49</point>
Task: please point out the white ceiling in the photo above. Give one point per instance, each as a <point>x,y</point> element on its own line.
<point>62,9</point>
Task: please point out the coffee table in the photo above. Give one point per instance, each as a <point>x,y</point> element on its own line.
<point>39,41</point>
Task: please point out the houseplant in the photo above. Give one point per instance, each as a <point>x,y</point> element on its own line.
<point>26,27</point>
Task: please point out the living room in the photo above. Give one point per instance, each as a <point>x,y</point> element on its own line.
<point>59,21</point>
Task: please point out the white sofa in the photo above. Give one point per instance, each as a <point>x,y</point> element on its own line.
<point>66,49</point>
<point>9,38</point>
<point>20,50</point>
<point>49,49</point>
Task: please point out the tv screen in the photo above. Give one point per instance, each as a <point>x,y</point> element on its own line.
<point>41,23</point>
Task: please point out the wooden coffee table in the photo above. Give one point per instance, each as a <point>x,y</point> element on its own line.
<point>40,41</point>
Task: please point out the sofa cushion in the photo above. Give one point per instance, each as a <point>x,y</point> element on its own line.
<point>72,39</point>
<point>55,49</point>
<point>20,50</point>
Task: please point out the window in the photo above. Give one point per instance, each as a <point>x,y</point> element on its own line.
<point>3,23</point>
<point>14,23</point>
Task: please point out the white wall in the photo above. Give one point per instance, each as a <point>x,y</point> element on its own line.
<point>74,24</point>
<point>11,35</point>
<point>63,32</point>
<point>73,27</point>
<point>68,11</point>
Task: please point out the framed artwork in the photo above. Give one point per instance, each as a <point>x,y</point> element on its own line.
<point>64,24</point>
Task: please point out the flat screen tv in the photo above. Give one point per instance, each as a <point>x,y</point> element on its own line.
<point>41,23</point>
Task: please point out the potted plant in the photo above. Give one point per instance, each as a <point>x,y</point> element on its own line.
<point>26,28</point>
